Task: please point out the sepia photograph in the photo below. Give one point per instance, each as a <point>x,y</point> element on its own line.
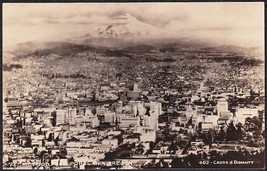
<point>155,85</point>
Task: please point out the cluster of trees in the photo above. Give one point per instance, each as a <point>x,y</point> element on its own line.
<point>7,67</point>
<point>248,62</point>
<point>63,49</point>
<point>234,132</point>
<point>116,53</point>
<point>238,60</point>
<point>123,151</point>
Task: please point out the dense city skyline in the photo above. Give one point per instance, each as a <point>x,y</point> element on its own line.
<point>133,86</point>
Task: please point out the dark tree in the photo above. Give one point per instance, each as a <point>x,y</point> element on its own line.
<point>239,131</point>
<point>177,163</point>
<point>221,135</point>
<point>231,132</point>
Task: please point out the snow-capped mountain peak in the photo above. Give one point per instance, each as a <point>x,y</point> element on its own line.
<point>128,27</point>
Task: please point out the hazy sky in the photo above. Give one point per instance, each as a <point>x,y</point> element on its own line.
<point>239,24</point>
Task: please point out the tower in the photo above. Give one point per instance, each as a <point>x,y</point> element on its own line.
<point>61,116</point>
<point>155,111</point>
<point>222,106</point>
